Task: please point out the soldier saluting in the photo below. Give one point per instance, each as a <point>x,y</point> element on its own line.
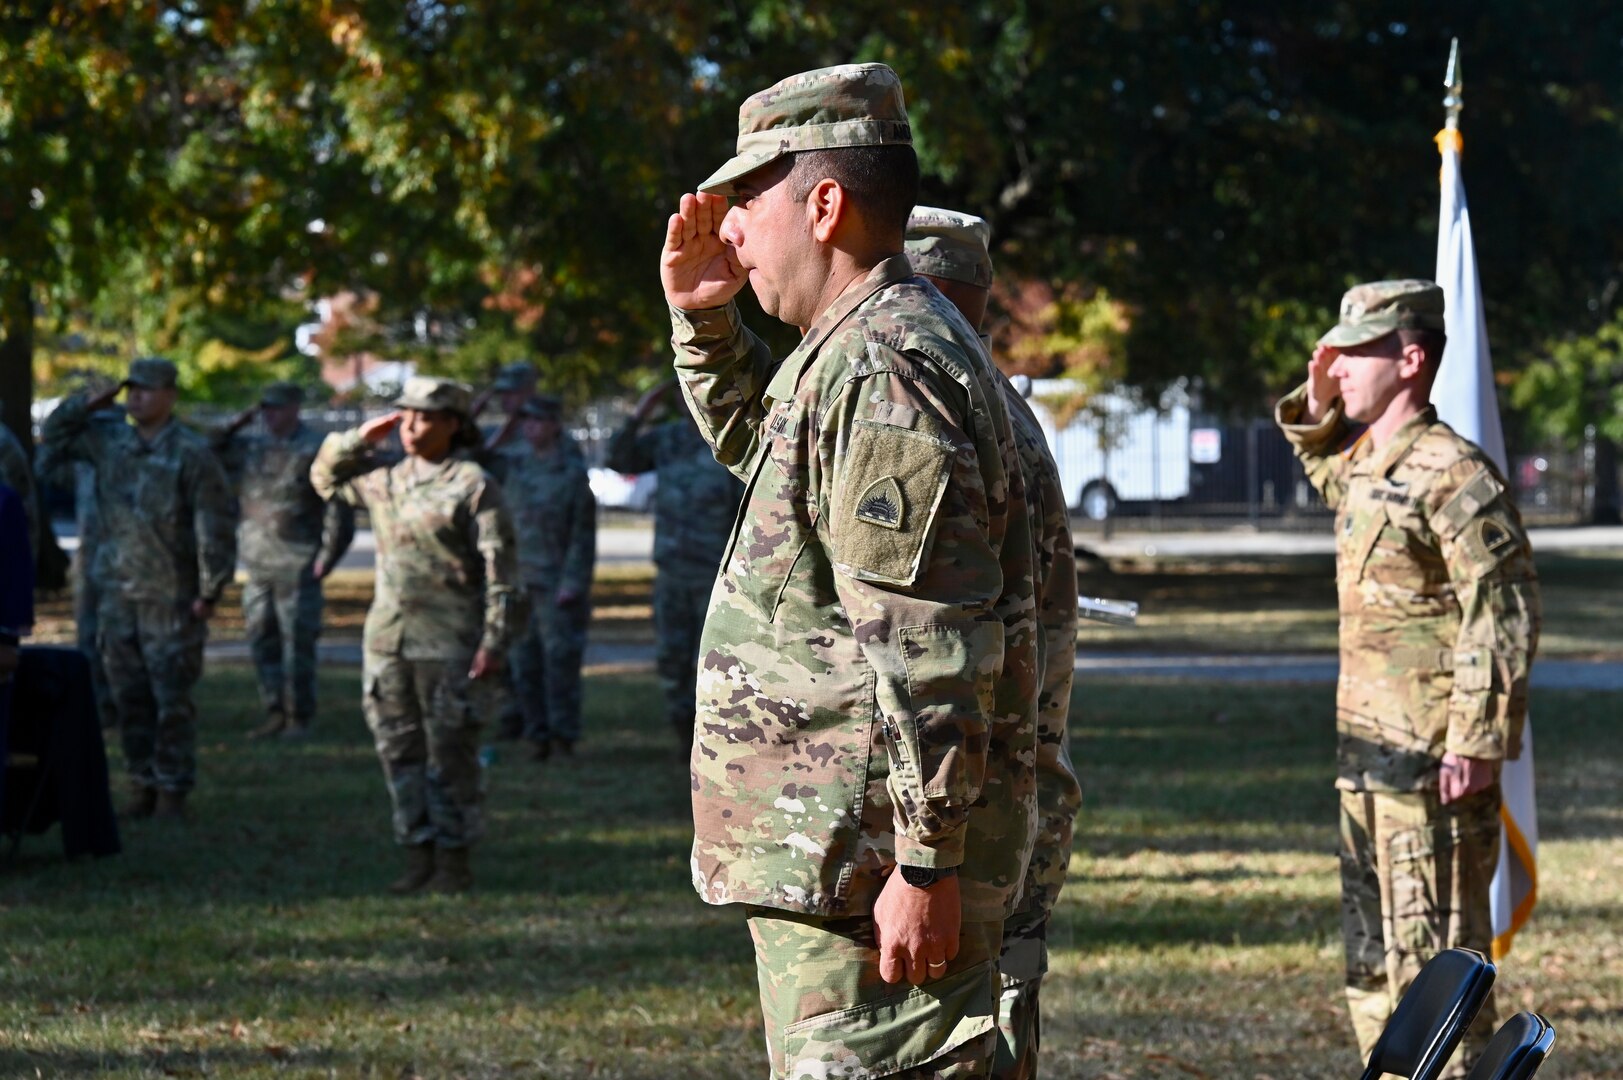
<point>440,617</point>
<point>290,539</point>
<point>167,551</point>
<point>1439,622</point>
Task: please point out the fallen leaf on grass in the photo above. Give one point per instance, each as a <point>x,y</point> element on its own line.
<point>1184,1065</point>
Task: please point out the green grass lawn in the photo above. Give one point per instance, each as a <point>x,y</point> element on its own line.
<point>1200,937</point>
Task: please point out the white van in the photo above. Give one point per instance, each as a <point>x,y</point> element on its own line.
<point>1118,448</point>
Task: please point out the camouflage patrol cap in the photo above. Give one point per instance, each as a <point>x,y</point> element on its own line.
<point>427,394</point>
<point>1377,308</point>
<point>153,373</point>
<point>848,105</point>
<point>516,376</point>
<point>280,394</point>
<point>543,407</point>
<point>949,245</point>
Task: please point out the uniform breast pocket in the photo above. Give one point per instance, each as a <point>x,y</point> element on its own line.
<point>1358,535</point>
<point>775,523</point>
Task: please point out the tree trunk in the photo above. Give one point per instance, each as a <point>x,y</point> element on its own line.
<point>1606,509</point>
<point>17,359</point>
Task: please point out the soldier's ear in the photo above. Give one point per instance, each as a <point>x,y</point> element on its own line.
<point>1413,363</point>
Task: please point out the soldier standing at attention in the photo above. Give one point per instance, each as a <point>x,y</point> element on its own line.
<point>167,551</point>
<point>1439,622</point>
<point>950,250</point>
<point>289,541</point>
<point>862,775</point>
<point>440,617</point>
<point>694,508</point>
<point>551,501</point>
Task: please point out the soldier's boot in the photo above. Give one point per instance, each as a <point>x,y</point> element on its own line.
<point>419,870</point>
<point>171,806</point>
<point>143,801</point>
<point>452,874</point>
<point>297,730</point>
<point>275,723</point>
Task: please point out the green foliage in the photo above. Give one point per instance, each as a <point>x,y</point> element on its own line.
<point>1578,383</point>
<point>503,169</point>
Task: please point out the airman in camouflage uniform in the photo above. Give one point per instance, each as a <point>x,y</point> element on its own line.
<point>694,508</point>
<point>289,540</point>
<point>167,551</point>
<point>440,616</point>
<point>862,775</point>
<point>951,250</point>
<point>555,514</point>
<point>87,587</point>
<point>1439,623</point>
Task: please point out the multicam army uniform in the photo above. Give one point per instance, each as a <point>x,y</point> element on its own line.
<point>445,583</point>
<point>87,587</point>
<point>1024,958</point>
<point>952,248</point>
<point>167,538</point>
<point>285,527</point>
<point>694,509</point>
<point>1439,622</point>
<point>849,708</point>
<point>555,515</point>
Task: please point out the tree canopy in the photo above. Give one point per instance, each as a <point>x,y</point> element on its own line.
<point>1178,188</point>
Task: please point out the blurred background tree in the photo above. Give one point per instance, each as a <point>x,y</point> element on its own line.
<point>1179,189</point>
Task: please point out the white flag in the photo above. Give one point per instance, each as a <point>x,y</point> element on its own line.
<point>1465,400</point>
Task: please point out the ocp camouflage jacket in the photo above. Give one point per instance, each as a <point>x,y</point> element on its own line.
<point>1438,596</point>
<point>867,678</point>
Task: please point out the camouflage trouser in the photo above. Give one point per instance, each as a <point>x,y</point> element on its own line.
<point>427,737</point>
<point>1021,966</point>
<point>545,660</point>
<point>681,599</point>
<point>87,620</point>
<point>1415,880</point>
<point>828,1013</point>
<point>153,653</point>
<point>284,620</point>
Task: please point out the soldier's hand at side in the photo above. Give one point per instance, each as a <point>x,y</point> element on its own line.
<point>697,269</point>
<point>485,662</point>
<point>378,428</point>
<point>917,930</point>
<point>202,610</point>
<point>319,568</point>
<point>1461,776</point>
<point>1322,389</point>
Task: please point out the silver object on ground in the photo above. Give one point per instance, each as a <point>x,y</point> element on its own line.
<point>1115,612</point>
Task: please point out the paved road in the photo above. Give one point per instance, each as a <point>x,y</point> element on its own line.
<point>631,540</point>
<point>1252,668</point>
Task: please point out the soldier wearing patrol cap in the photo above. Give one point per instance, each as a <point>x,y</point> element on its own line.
<point>555,514</point>
<point>441,616</point>
<point>289,540</point>
<point>167,551</point>
<point>1439,623</point>
<point>866,698</point>
<point>951,249</point>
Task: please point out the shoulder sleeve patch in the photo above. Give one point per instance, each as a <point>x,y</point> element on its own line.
<point>888,494</point>
<point>1478,492</point>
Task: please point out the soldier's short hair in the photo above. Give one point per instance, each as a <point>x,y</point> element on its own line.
<point>1431,341</point>
<point>882,182</point>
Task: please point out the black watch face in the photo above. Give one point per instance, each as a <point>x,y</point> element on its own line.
<point>918,876</point>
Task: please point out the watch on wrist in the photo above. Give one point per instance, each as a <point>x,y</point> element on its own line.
<point>922,877</point>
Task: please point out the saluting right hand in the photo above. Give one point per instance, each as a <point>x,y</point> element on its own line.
<point>697,269</point>
<point>1322,389</point>
<point>377,429</point>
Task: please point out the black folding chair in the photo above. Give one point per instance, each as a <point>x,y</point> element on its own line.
<point>1516,1050</point>
<point>1429,1022</point>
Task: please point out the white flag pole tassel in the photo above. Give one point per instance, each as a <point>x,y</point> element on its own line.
<point>1465,399</point>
